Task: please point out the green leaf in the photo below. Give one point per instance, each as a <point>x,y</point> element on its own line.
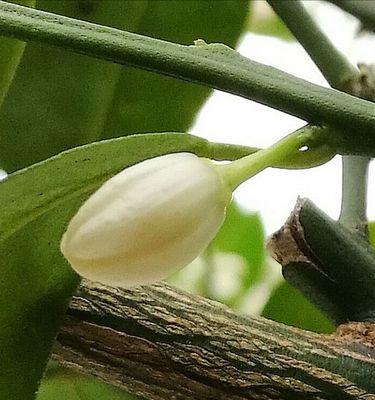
<point>11,51</point>
<point>59,99</point>
<point>371,233</point>
<point>73,99</point>
<point>147,102</point>
<point>289,306</point>
<point>31,192</point>
<point>242,233</point>
<point>35,288</point>
<point>36,283</point>
<point>63,384</point>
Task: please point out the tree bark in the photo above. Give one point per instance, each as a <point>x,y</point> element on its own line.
<point>160,343</point>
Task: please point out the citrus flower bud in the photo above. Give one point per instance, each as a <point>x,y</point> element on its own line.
<point>147,221</point>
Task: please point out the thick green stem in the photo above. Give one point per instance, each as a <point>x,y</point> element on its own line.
<point>308,143</point>
<point>331,62</point>
<point>212,65</point>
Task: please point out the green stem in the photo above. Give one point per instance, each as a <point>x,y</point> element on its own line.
<point>339,72</point>
<point>290,147</point>
<point>208,272</point>
<point>337,272</point>
<point>331,62</point>
<point>361,9</point>
<point>214,65</point>
<point>354,192</point>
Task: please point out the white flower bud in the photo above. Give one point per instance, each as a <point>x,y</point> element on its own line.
<point>147,221</point>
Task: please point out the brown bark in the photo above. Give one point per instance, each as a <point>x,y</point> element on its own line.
<point>161,343</point>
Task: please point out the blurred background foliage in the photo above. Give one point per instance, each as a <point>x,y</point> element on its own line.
<point>62,384</point>
<point>59,100</point>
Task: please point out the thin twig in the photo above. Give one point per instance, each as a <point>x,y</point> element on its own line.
<point>354,192</point>
<point>364,10</point>
<point>341,74</point>
<point>335,67</point>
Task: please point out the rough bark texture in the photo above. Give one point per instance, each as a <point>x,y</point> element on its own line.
<point>160,343</point>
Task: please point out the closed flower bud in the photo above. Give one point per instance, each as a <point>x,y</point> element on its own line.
<point>147,221</point>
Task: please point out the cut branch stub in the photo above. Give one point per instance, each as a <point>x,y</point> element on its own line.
<point>333,267</point>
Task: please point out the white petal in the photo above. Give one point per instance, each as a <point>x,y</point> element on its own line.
<point>147,221</point>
